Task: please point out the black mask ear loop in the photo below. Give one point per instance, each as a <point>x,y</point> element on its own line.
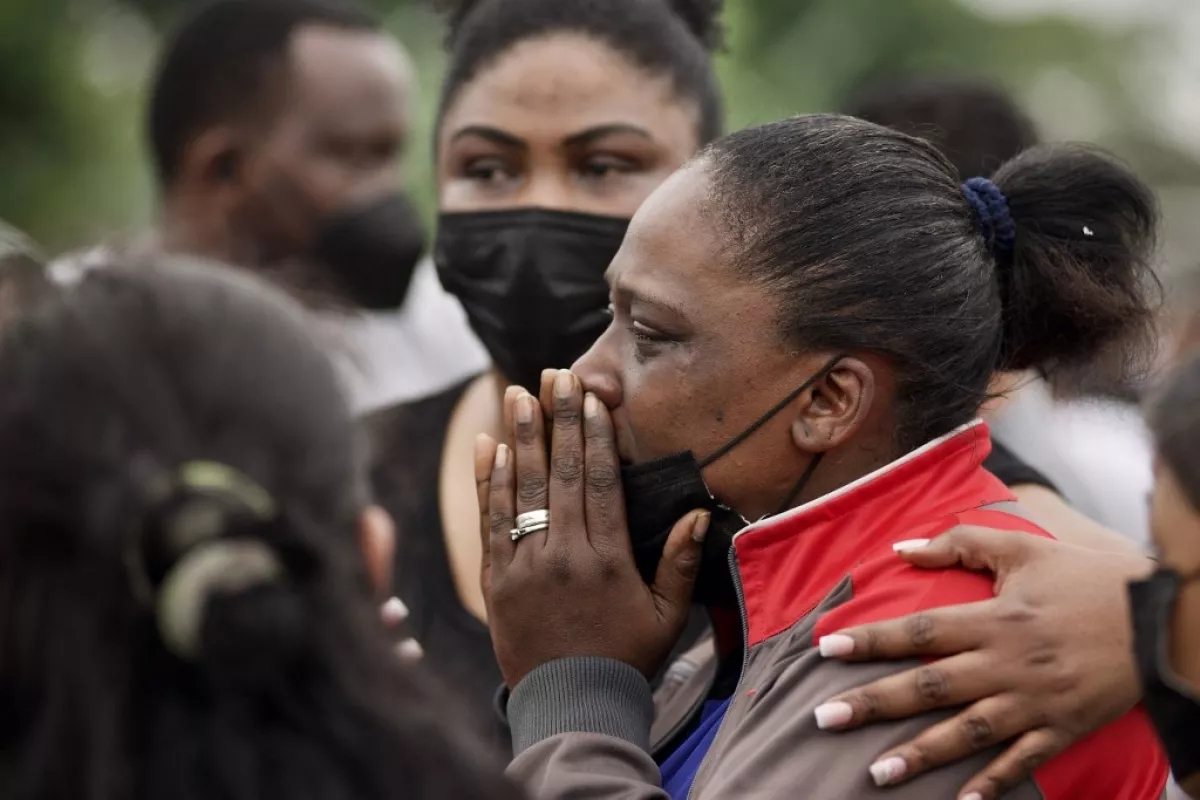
<point>767,417</point>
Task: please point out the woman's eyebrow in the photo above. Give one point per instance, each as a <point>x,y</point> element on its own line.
<point>600,131</point>
<point>494,135</point>
<point>625,294</point>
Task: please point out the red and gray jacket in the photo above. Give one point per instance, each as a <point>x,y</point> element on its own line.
<point>588,727</point>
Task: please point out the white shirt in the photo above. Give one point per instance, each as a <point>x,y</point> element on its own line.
<point>424,347</point>
<point>1097,452</point>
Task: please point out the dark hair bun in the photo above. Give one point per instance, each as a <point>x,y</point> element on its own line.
<point>1079,284</point>
<point>703,19</point>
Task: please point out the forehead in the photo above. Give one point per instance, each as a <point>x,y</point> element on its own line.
<point>674,248</point>
<point>348,74</point>
<point>549,87</point>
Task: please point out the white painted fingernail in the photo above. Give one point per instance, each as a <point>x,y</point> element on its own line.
<point>910,544</point>
<point>833,715</point>
<point>394,611</point>
<point>410,650</point>
<point>972,796</point>
<point>835,645</point>
<point>889,770</point>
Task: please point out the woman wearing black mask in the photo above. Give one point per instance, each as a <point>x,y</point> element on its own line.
<point>1166,607</point>
<point>558,119</point>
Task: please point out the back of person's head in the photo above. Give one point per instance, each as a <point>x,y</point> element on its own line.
<point>975,123</point>
<point>674,38</point>
<point>187,612</point>
<point>876,246</point>
<point>225,63</point>
<point>1174,419</point>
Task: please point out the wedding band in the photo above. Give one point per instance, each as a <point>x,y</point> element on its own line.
<point>530,518</point>
<point>520,533</point>
<point>530,522</point>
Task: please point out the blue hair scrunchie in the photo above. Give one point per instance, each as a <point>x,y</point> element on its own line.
<point>993,219</point>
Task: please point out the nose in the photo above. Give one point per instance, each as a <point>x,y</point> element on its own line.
<point>550,190</point>
<point>597,370</point>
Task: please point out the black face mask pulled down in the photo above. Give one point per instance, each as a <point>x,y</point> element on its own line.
<point>371,250</point>
<point>532,283</point>
<point>1174,707</point>
<point>659,493</point>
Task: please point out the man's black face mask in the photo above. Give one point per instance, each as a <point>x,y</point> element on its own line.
<point>369,251</point>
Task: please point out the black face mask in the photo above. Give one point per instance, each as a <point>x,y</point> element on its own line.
<point>532,283</point>
<point>1174,707</point>
<point>371,250</point>
<point>658,493</point>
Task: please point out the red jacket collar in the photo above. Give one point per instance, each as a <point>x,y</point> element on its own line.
<point>788,563</point>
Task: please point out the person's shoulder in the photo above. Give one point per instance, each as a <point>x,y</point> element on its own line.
<point>885,586</point>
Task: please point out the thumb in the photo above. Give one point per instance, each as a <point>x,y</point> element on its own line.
<point>676,575</point>
<point>975,548</point>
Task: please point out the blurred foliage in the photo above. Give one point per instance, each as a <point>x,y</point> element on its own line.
<point>71,99</point>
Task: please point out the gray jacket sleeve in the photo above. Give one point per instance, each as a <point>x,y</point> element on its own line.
<point>581,729</point>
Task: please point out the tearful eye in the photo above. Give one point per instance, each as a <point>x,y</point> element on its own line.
<point>644,333</point>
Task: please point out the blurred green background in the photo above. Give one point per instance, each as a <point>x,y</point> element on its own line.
<point>1115,72</point>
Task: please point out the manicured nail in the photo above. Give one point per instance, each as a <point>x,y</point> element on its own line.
<point>908,545</point>
<point>835,645</point>
<point>972,796</point>
<point>700,527</point>
<point>889,770</point>
<point>525,409</point>
<point>394,611</point>
<point>591,406</point>
<point>502,456</point>
<point>410,650</point>
<point>562,384</point>
<point>833,715</point>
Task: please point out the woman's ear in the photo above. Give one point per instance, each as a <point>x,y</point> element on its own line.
<point>377,538</point>
<point>835,407</point>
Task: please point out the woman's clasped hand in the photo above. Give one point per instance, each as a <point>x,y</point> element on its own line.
<point>572,589</point>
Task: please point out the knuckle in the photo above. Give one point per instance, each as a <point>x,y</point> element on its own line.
<point>602,477</point>
<point>1042,657</point>
<point>918,757</point>
<point>498,521</point>
<point>568,467</point>
<point>566,411</point>
<point>1032,760</point>
<point>920,629</point>
<point>977,731</point>
<point>932,685</point>
<point>872,643</point>
<point>1019,613</point>
<point>866,705</point>
<point>531,489</point>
